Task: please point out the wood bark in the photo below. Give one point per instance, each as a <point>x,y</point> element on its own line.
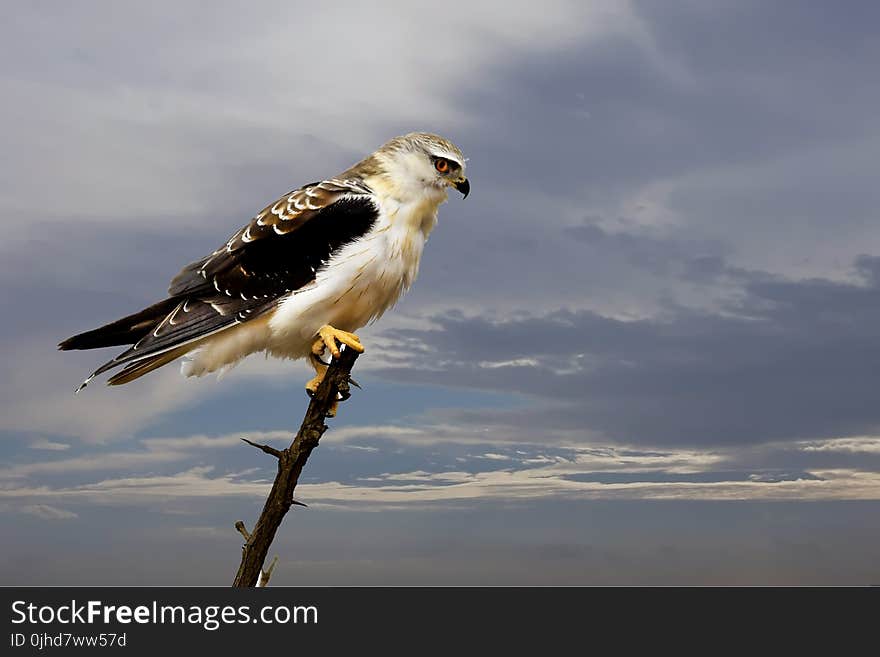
<point>290,464</point>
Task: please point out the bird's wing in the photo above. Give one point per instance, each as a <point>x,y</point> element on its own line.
<point>279,252</point>
<point>313,221</point>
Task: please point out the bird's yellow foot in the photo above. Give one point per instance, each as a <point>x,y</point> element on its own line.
<point>329,336</point>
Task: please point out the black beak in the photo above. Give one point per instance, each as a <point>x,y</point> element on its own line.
<point>464,187</point>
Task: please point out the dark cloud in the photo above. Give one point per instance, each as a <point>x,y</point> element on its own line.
<point>789,360</point>
<point>673,259</point>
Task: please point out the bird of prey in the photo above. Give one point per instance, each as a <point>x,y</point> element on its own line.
<point>304,274</point>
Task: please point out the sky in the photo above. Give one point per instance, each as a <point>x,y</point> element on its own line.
<point>645,349</point>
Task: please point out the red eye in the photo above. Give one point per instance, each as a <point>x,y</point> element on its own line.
<point>441,165</point>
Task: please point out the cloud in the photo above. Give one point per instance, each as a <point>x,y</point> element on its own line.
<point>560,482</point>
<point>90,463</point>
<point>510,473</point>
<point>37,392</point>
<point>854,445</point>
<point>124,113</point>
<point>200,441</point>
<point>784,360</point>
<point>47,512</point>
<point>403,490</point>
<point>203,531</point>
<point>146,453</point>
<point>38,395</point>
<point>50,445</point>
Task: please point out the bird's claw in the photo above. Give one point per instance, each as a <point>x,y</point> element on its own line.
<point>332,338</point>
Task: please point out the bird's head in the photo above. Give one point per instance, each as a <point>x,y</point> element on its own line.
<point>422,163</point>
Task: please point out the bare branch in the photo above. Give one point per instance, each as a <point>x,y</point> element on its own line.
<point>290,464</point>
<point>269,450</point>
<point>239,525</point>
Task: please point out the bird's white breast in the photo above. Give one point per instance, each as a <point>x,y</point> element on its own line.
<point>363,280</point>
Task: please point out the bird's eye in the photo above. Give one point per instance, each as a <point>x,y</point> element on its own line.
<point>441,165</point>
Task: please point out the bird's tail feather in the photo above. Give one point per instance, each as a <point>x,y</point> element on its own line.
<point>138,368</point>
<point>127,330</point>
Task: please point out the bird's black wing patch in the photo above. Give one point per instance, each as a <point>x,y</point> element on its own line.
<point>296,233</point>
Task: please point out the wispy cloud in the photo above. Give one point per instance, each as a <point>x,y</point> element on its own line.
<point>47,512</point>
<point>529,472</point>
<point>90,463</point>
<point>441,488</point>
<point>50,445</point>
<point>855,445</point>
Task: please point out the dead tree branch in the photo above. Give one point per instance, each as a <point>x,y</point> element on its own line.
<point>239,525</point>
<point>269,450</point>
<point>290,464</point>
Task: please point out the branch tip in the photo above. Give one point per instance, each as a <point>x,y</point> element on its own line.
<point>269,450</point>
<point>239,525</point>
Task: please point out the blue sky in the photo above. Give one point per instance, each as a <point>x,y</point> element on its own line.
<point>644,350</point>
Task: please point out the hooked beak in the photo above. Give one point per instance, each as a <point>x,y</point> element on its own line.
<point>464,187</point>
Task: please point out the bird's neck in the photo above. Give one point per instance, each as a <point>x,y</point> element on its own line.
<point>408,206</point>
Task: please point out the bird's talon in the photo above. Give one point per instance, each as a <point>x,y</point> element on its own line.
<point>333,337</point>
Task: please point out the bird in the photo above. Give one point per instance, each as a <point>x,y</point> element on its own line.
<point>302,276</point>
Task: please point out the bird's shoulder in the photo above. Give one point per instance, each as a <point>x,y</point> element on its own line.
<point>296,208</point>
<point>302,225</point>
